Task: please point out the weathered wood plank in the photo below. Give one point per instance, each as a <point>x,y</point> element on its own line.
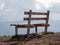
<point>35,13</point>
<point>36,18</point>
<point>41,25</point>
<point>21,25</point>
<point>31,26</point>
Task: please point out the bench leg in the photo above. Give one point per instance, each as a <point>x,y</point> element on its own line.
<point>28,30</point>
<point>36,29</point>
<point>45,29</point>
<point>16,31</point>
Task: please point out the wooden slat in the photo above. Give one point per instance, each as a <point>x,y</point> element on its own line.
<point>36,18</point>
<point>21,25</point>
<point>31,26</point>
<point>41,25</point>
<point>35,13</point>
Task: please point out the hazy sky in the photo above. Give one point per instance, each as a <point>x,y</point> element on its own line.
<point>13,10</point>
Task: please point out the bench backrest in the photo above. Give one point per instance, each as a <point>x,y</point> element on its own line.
<point>30,13</point>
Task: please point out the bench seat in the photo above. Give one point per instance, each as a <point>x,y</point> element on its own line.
<point>21,25</point>
<point>26,25</point>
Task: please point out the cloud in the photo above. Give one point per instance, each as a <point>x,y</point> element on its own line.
<point>13,10</point>
<point>2,6</point>
<point>55,8</point>
<point>52,5</point>
<point>45,3</point>
<point>55,12</point>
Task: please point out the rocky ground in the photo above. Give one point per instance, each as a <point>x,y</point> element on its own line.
<point>47,39</point>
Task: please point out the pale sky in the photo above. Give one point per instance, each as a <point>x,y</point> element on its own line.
<point>13,10</point>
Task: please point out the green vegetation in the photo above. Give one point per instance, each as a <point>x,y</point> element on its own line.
<point>30,36</point>
<point>44,33</point>
<point>22,36</point>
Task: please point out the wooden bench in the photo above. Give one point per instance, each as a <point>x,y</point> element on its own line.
<point>30,13</point>
<point>29,25</point>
